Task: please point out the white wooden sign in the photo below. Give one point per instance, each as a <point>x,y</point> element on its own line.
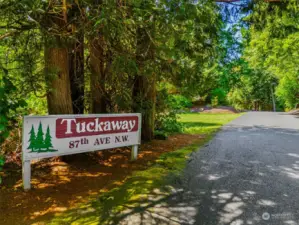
<point>57,135</point>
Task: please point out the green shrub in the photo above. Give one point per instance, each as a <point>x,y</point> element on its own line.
<point>220,94</point>
<point>168,123</point>
<point>287,91</point>
<point>167,106</point>
<point>215,101</point>
<point>178,102</point>
<point>9,105</point>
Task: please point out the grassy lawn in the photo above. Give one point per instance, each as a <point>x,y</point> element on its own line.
<point>144,189</point>
<point>196,123</point>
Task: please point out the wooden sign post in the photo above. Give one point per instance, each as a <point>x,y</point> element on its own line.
<point>49,136</point>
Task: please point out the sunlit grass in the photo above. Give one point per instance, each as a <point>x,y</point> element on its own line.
<point>137,193</point>
<point>197,123</point>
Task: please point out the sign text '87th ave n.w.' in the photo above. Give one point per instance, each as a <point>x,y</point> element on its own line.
<point>49,136</point>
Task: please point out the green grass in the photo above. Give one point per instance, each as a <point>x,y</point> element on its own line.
<point>144,189</point>
<point>195,123</point>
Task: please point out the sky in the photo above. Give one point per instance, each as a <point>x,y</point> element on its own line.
<point>232,15</point>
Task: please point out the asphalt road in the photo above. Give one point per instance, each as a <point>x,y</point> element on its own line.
<point>247,174</point>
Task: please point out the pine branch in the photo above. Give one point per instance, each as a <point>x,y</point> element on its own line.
<point>14,32</point>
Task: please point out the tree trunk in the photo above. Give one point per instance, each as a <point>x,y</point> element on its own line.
<point>273,98</point>
<point>144,89</point>
<point>77,78</point>
<point>98,77</point>
<point>57,75</point>
<point>57,62</point>
<point>76,56</point>
<point>144,98</point>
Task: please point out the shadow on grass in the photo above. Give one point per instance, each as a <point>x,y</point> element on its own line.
<point>137,194</point>
<point>199,124</point>
<point>204,123</point>
<point>200,127</point>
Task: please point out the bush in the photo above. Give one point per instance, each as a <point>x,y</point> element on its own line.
<point>215,101</point>
<point>220,95</point>
<point>166,108</point>
<point>177,102</point>
<point>287,91</point>
<point>9,104</point>
<point>168,124</point>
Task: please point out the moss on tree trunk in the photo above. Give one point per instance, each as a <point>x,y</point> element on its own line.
<point>57,75</point>
<point>98,77</point>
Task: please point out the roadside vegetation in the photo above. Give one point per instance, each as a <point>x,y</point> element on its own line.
<point>155,58</point>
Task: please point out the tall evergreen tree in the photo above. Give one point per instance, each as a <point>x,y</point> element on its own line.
<point>56,58</point>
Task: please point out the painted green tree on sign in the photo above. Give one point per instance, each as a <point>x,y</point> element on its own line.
<point>48,140</point>
<point>37,142</point>
<point>32,139</point>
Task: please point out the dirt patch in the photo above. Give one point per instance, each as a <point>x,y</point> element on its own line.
<point>294,112</point>
<point>58,186</point>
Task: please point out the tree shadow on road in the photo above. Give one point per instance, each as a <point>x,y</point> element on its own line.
<point>248,184</point>
<point>233,180</point>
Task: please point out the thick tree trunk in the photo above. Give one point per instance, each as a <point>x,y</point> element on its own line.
<point>144,90</point>
<point>144,101</point>
<point>98,77</point>
<point>57,75</point>
<point>76,56</point>
<point>57,62</point>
